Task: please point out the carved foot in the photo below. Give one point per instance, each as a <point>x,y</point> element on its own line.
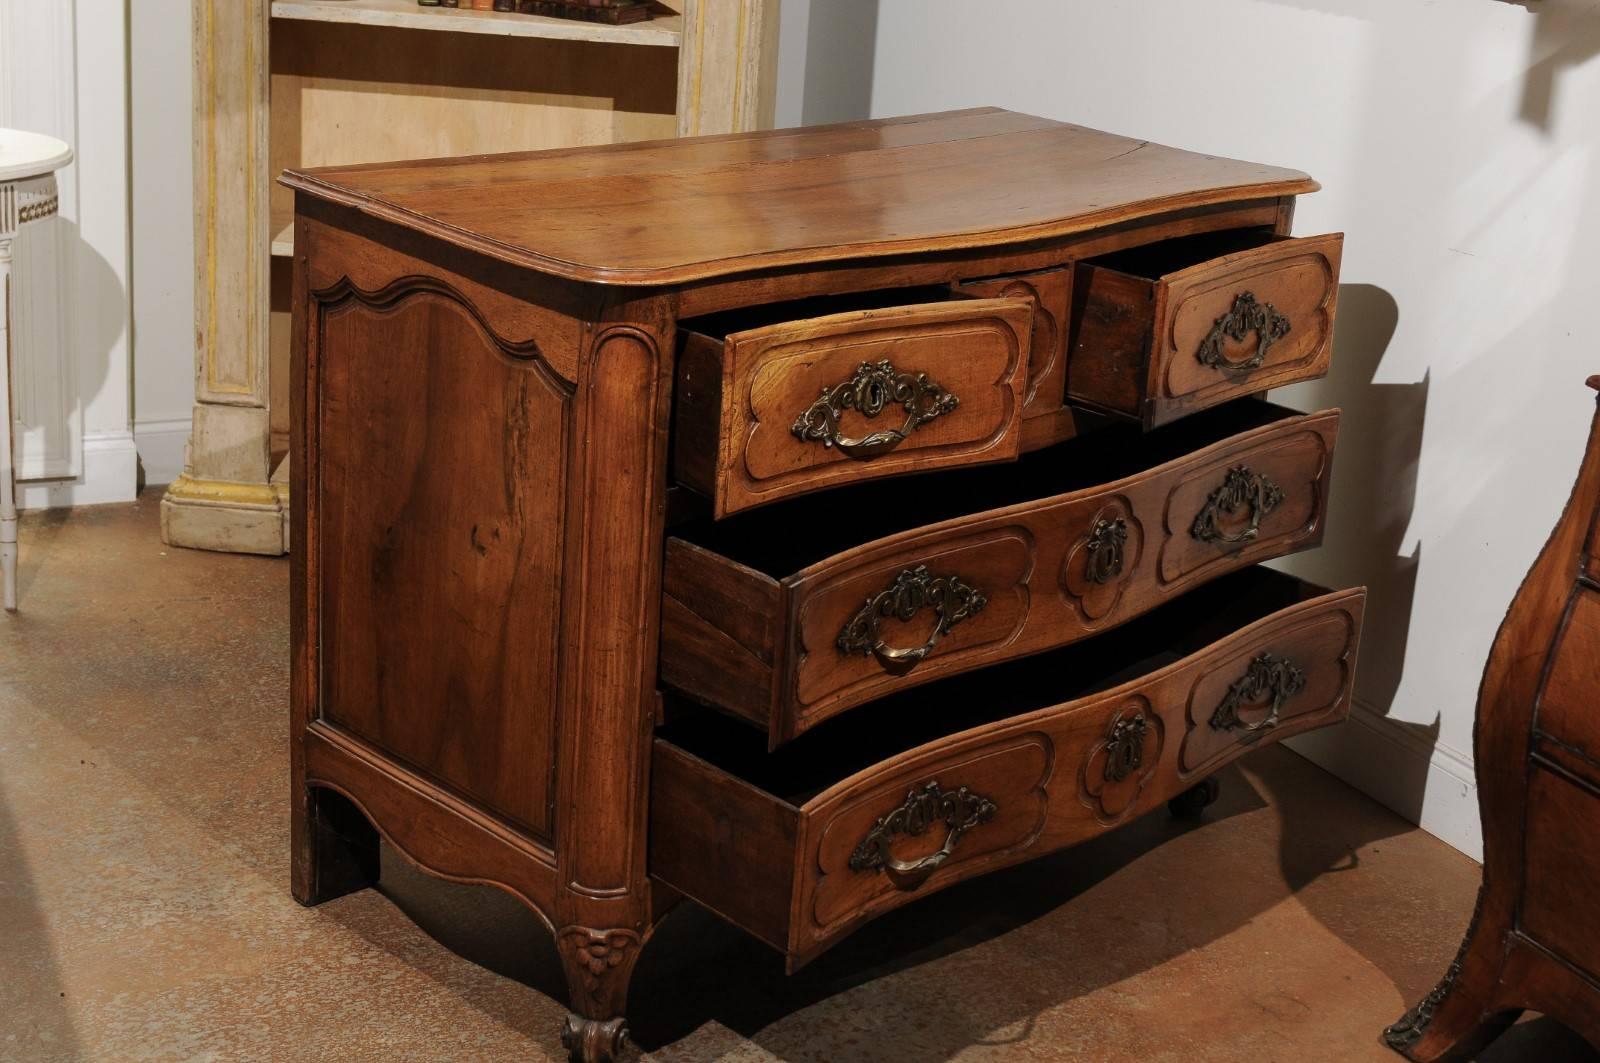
<point>1447,1025</point>
<point>1195,800</point>
<point>593,1041</point>
<point>599,964</point>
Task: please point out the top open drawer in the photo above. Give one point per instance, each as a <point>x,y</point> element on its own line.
<point>1164,330</point>
<point>781,401</point>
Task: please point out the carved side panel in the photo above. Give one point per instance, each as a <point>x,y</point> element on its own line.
<point>442,471</point>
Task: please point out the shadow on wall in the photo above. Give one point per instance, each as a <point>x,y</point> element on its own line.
<point>1375,489</point>
<point>87,337</point>
<point>841,41</point>
<point>1566,35</point>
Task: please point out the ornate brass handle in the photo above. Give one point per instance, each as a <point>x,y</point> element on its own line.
<point>873,387</point>
<point>960,810</point>
<point>1245,317</point>
<point>1241,490</point>
<point>1268,675</point>
<point>952,601</point>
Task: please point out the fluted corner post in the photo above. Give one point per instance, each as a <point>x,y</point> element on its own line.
<point>727,66</point>
<point>226,498</point>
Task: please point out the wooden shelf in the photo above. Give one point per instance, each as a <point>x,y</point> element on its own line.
<point>664,31</point>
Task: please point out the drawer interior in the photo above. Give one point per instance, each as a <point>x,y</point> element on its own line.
<point>726,323</point>
<point>785,537</point>
<point>840,747</point>
<point>1154,261</point>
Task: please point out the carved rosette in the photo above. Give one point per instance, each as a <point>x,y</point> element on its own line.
<point>1120,765</point>
<point>1098,566</point>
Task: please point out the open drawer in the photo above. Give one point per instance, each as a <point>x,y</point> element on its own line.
<point>795,613</point>
<point>782,400</point>
<point>1169,328</point>
<point>941,784</point>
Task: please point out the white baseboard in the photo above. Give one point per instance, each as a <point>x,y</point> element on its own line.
<point>110,474</point>
<point>1432,785</point>
<point>161,446</point>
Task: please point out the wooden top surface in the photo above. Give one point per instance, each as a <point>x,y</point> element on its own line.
<point>673,211</point>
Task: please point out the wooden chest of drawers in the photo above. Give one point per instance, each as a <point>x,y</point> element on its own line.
<point>801,522</point>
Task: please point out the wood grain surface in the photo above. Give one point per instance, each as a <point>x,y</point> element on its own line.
<point>666,212</point>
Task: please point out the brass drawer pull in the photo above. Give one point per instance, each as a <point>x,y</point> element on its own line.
<point>1268,675</point>
<point>1241,490</point>
<point>952,601</point>
<point>873,388</point>
<point>1247,316</point>
<point>961,810</point>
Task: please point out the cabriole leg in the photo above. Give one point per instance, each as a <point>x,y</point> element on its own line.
<point>1450,1024</point>
<point>599,965</point>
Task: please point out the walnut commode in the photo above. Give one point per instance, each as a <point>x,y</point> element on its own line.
<point>799,522</point>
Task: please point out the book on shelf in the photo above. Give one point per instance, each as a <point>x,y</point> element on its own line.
<point>616,14</point>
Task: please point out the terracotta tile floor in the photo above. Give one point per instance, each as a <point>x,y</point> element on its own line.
<point>145,914</point>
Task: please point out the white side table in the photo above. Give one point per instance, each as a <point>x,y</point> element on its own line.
<point>28,163</point>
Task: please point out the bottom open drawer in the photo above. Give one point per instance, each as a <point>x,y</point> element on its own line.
<point>938,784</point>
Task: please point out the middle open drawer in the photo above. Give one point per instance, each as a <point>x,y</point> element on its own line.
<point>795,613</point>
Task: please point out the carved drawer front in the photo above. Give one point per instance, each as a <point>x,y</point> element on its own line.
<point>782,619</point>
<point>769,410</point>
<point>1164,330</point>
<point>985,770</point>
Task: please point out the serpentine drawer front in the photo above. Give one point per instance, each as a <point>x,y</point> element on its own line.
<point>798,405</point>
<point>937,785</point>
<point>763,619</point>
<point>1164,330</point>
